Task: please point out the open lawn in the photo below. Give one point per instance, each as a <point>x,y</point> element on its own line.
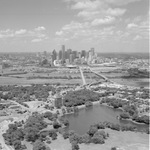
<point>123,140</point>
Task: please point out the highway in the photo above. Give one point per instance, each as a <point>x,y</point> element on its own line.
<point>83,78</point>
<point>98,74</point>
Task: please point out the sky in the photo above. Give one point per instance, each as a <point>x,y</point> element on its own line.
<point>44,25</point>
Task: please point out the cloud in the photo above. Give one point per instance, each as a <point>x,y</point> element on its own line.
<point>141,28</point>
<point>132,25</point>
<point>36,40</point>
<point>120,2</point>
<point>114,2</point>
<point>21,31</point>
<point>36,34</point>
<point>116,11</point>
<point>137,38</point>
<point>59,33</point>
<point>88,14</point>
<point>40,28</point>
<point>87,4</point>
<point>96,16</point>
<point>95,9</point>
<point>106,20</point>
<point>6,33</point>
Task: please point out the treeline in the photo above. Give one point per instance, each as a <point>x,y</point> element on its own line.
<point>137,73</point>
<point>33,131</point>
<point>130,111</point>
<point>76,98</point>
<point>23,94</point>
<point>54,77</point>
<point>95,134</point>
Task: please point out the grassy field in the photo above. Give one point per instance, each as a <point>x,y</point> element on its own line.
<point>123,140</point>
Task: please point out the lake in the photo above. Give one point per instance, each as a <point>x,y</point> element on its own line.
<point>81,121</point>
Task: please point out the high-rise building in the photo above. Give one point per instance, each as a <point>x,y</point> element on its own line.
<point>79,55</point>
<point>83,53</point>
<point>74,54</point>
<point>60,55</point>
<point>69,51</point>
<point>90,56</point>
<point>71,58</point>
<point>66,55</point>
<point>54,55</point>
<point>63,53</point>
<point>93,51</point>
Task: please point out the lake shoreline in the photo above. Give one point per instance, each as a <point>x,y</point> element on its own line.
<point>98,102</point>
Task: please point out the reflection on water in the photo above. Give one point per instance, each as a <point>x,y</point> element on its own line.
<point>81,122</point>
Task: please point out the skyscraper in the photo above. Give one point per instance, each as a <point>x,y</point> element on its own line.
<point>63,53</point>
<point>83,53</point>
<point>92,51</point>
<point>71,58</point>
<point>54,55</point>
<point>60,55</point>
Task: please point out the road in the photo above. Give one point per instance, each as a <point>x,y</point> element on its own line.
<point>99,74</point>
<point>83,78</point>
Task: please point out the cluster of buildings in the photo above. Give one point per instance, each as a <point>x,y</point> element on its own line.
<point>69,57</point>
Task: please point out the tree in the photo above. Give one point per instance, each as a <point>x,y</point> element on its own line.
<point>17,144</point>
<point>86,138</point>
<point>65,134</point>
<point>53,134</point>
<point>74,138</point>
<point>92,130</point>
<point>97,139</point>
<point>38,145</point>
<point>31,134</point>
<point>43,135</point>
<point>101,133</point>
<point>125,115</point>
<point>75,146</point>
<point>88,104</point>
<point>66,122</point>
<point>56,125</point>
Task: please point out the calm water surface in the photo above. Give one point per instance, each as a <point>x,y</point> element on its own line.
<point>81,122</point>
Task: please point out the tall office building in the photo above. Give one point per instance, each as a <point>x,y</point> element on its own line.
<point>69,51</point>
<point>63,53</point>
<point>71,58</point>
<point>79,55</point>
<point>92,51</point>
<point>83,53</point>
<point>60,55</point>
<point>90,56</point>
<point>74,54</point>
<point>54,55</point>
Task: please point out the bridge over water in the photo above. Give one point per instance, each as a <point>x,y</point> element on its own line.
<point>98,74</point>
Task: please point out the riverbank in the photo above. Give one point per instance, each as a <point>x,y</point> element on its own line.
<point>104,104</point>
<point>83,106</point>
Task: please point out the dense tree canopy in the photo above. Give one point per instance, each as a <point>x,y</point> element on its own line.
<point>75,98</point>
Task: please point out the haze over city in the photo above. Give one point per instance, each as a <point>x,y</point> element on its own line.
<point>108,25</point>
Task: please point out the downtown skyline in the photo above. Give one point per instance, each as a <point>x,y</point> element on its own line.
<point>107,25</point>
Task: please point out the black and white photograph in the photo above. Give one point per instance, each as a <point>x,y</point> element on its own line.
<point>74,75</point>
